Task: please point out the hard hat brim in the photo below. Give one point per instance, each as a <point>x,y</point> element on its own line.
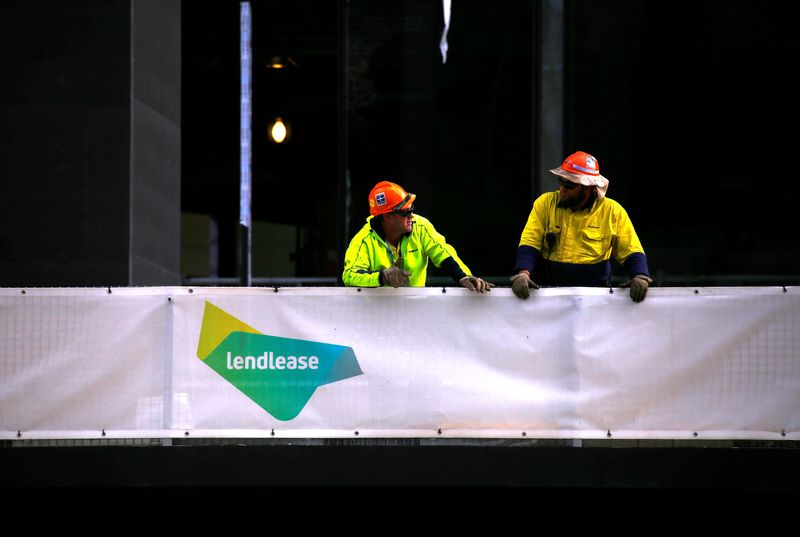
<point>389,210</point>
<point>408,203</point>
<point>598,181</point>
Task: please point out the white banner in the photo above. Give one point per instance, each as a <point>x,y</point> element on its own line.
<point>707,363</point>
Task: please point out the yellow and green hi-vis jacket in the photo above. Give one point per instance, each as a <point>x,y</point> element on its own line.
<point>369,253</point>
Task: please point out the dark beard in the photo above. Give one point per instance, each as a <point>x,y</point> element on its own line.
<point>575,202</point>
<point>570,203</point>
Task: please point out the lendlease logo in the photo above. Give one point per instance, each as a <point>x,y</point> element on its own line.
<point>279,374</point>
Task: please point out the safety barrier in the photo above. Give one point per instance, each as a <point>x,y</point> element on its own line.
<point>168,362</point>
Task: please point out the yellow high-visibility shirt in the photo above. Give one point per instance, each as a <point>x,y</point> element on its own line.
<point>576,246</point>
<point>582,237</point>
<point>369,253</point>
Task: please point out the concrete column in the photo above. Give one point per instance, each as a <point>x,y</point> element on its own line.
<point>155,152</point>
<point>90,148</point>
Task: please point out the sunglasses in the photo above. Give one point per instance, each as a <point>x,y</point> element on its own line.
<point>405,213</point>
<point>569,185</point>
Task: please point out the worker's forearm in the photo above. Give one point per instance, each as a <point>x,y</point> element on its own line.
<point>526,259</point>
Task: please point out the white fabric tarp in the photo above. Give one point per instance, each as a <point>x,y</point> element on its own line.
<point>709,363</point>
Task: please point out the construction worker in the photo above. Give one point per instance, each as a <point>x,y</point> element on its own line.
<point>572,233</point>
<point>395,244</point>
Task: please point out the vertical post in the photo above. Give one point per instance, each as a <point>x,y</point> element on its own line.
<point>549,108</point>
<point>342,116</point>
<point>168,421</point>
<point>245,217</point>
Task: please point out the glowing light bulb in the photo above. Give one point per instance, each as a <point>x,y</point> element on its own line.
<point>278,131</point>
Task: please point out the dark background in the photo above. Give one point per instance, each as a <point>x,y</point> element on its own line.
<point>686,109</point>
<point>688,106</point>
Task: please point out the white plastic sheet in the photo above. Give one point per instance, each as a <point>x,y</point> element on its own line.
<point>569,363</point>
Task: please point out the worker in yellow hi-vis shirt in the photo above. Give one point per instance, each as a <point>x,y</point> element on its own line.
<point>572,234</point>
<point>394,246</point>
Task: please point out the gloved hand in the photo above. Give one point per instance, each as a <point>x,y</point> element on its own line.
<point>476,284</point>
<point>520,283</point>
<point>638,285</point>
<point>395,275</point>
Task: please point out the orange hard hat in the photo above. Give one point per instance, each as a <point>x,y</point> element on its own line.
<point>582,168</point>
<point>581,163</point>
<point>386,197</point>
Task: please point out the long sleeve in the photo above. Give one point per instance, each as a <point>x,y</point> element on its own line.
<point>358,270</point>
<point>530,242</point>
<point>440,252</point>
<point>627,248</point>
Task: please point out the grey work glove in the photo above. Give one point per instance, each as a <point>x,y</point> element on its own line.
<point>474,283</point>
<point>395,275</point>
<point>520,283</point>
<point>638,285</point>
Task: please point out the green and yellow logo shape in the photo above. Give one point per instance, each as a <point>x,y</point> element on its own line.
<point>279,374</point>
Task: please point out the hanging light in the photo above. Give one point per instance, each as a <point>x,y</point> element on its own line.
<point>279,131</point>
<point>281,62</point>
